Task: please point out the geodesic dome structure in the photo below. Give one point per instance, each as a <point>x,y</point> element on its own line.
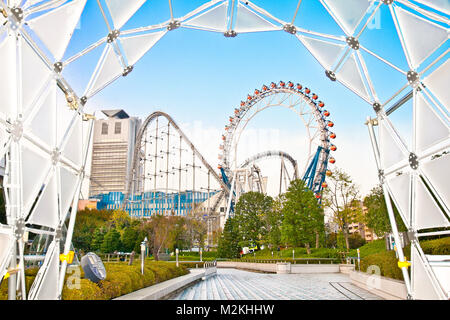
<point>44,132</point>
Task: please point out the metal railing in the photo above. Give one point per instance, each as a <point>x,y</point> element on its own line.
<point>294,261</point>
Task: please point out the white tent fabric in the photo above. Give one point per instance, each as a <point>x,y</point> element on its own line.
<point>437,83</point>
<point>422,287</point>
<point>121,11</point>
<point>437,171</point>
<point>55,28</point>
<point>108,69</point>
<point>351,75</point>
<point>427,213</point>
<point>47,276</point>
<point>440,5</point>
<point>348,13</point>
<point>427,118</point>
<point>46,212</point>
<point>325,52</point>
<point>8,90</point>
<point>213,19</point>
<point>250,21</point>
<point>32,87</point>
<point>422,37</point>
<point>392,151</point>
<point>6,244</point>
<point>136,46</point>
<point>35,75</point>
<point>400,187</point>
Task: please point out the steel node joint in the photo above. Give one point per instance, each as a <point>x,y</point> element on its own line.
<point>17,13</point>
<point>331,75</point>
<point>19,229</point>
<point>352,43</point>
<point>58,67</point>
<point>173,25</point>
<point>230,34</point>
<point>381,176</point>
<point>113,35</point>
<point>413,161</point>
<point>127,70</point>
<point>377,107</point>
<point>290,28</point>
<point>413,78</point>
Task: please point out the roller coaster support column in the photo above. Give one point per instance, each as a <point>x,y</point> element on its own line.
<point>311,171</point>
<point>230,199</point>
<point>370,123</point>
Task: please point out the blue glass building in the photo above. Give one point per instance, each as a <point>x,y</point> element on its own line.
<point>151,203</point>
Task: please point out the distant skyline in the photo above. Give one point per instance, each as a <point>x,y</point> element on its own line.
<point>199,77</point>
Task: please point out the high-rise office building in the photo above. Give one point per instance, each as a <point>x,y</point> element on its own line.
<point>112,151</point>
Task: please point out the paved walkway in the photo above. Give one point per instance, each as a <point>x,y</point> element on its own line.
<point>233,284</point>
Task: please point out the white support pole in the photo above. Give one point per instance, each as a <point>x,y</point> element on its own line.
<point>73,214</point>
<point>387,198</point>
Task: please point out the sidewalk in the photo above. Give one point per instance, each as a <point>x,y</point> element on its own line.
<point>165,288</point>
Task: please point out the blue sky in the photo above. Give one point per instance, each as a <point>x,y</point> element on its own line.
<point>200,77</point>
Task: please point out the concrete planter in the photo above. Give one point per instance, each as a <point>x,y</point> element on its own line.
<point>314,268</point>
<point>387,288</point>
<point>346,268</point>
<point>283,268</point>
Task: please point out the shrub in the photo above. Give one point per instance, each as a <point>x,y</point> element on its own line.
<point>437,246</point>
<point>386,261</point>
<point>121,279</point>
<point>88,291</point>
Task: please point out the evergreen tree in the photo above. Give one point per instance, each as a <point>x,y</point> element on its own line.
<point>273,220</point>
<point>128,238</point>
<point>377,217</point>
<point>303,219</point>
<point>97,239</point>
<point>229,241</point>
<point>250,215</point>
<point>111,241</point>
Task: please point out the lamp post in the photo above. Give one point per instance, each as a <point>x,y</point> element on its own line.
<point>143,249</point>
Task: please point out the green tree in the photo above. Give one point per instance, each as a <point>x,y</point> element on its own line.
<point>87,222</point>
<point>250,215</point>
<point>342,198</point>
<point>229,240</point>
<point>303,218</point>
<point>129,237</point>
<point>274,219</point>
<point>111,241</point>
<point>377,217</point>
<point>356,241</point>
<point>97,239</point>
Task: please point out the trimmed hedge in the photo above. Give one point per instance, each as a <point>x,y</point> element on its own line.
<point>299,253</point>
<point>437,246</point>
<point>309,260</point>
<point>120,279</point>
<point>387,261</point>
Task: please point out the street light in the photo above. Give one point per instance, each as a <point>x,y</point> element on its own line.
<point>143,248</point>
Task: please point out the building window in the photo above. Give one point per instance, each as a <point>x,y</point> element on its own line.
<point>104,128</point>
<point>117,127</point>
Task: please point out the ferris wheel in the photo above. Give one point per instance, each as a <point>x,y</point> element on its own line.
<point>311,114</point>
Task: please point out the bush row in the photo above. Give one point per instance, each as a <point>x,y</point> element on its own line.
<point>298,253</point>
<point>121,279</point>
<point>388,262</point>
